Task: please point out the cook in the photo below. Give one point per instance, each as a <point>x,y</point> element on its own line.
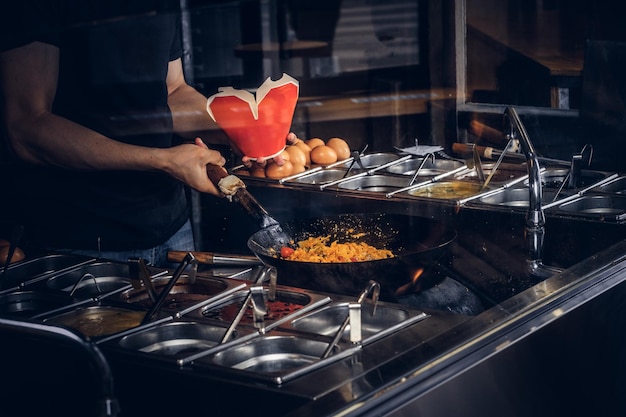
<point>102,135</point>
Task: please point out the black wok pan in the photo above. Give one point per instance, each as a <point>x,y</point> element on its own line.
<point>416,242</point>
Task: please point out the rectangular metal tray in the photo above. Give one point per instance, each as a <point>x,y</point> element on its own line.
<point>596,206</point>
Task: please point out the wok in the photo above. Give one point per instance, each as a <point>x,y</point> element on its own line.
<point>416,242</point>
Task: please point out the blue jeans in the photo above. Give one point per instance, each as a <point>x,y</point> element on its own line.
<point>182,240</point>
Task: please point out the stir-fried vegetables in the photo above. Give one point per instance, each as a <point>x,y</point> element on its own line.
<point>320,250</point>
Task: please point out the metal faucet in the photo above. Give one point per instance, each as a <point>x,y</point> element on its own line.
<point>535,217</point>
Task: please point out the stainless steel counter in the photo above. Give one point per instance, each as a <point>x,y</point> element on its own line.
<point>493,339</point>
<point>499,360</point>
<point>529,355</point>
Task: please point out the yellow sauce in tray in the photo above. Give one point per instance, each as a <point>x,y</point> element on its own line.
<point>99,321</point>
<point>448,190</point>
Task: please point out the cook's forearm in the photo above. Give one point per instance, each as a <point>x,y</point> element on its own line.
<point>49,139</point>
<point>189,115</point>
<point>28,82</point>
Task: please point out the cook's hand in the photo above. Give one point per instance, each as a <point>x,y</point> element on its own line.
<point>261,162</point>
<point>187,162</point>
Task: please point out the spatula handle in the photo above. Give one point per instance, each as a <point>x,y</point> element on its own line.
<point>215,173</point>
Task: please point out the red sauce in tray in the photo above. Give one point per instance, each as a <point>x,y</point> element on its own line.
<point>275,310</point>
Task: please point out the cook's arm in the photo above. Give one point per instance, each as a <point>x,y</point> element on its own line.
<point>188,105</point>
<point>28,82</point>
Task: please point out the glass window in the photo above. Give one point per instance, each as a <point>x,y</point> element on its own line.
<point>563,61</point>
<point>385,73</point>
<point>531,53</point>
<point>363,65</point>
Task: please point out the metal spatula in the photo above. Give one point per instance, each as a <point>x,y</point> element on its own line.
<point>235,190</point>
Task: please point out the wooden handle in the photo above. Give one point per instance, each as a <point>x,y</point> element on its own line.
<point>460,148</point>
<point>485,132</point>
<point>215,173</point>
<point>178,256</point>
<point>211,258</point>
<point>465,149</point>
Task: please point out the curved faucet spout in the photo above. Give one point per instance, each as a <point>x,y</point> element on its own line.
<point>535,217</point>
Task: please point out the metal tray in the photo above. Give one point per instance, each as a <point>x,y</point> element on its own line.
<point>375,324</point>
<point>322,176</point>
<point>33,270</point>
<point>92,280</point>
<point>27,304</point>
<point>288,303</point>
<point>184,296</point>
<point>174,339</point>
<point>616,186</point>
<point>299,346</point>
<point>516,197</point>
<point>430,168</point>
<point>98,320</point>
<point>372,160</point>
<point>374,183</point>
<point>554,177</point>
<point>596,206</point>
<point>276,357</point>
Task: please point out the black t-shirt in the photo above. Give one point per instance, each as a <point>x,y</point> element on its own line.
<point>113,64</point>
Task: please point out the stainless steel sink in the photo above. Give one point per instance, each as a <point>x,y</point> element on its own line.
<point>92,279</point>
<point>386,319</point>
<point>430,168</point>
<point>374,183</point>
<point>175,339</point>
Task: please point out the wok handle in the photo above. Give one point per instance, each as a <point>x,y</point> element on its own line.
<point>211,258</point>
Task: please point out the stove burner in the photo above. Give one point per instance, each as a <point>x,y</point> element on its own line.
<point>447,295</point>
